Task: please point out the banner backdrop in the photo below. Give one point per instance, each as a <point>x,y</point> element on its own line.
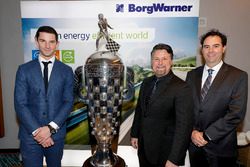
<point>136,25</point>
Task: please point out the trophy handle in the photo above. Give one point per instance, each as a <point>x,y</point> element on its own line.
<point>128,84</point>
<point>80,84</point>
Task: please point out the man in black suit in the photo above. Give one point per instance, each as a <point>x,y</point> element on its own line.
<point>219,106</point>
<point>164,114</point>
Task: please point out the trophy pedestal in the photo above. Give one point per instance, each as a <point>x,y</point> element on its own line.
<point>120,163</point>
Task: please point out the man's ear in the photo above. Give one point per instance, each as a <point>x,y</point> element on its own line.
<point>224,49</point>
<point>36,42</point>
<point>57,44</point>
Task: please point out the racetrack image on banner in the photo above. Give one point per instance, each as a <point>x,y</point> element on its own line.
<point>135,25</point>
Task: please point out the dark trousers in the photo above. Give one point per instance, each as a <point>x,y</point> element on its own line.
<point>143,160</point>
<point>199,158</point>
<point>33,153</point>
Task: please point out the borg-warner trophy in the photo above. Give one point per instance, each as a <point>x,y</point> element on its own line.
<point>104,78</point>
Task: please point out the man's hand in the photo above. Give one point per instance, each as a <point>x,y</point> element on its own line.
<point>42,134</point>
<point>48,142</point>
<point>134,142</point>
<point>197,138</point>
<point>170,164</point>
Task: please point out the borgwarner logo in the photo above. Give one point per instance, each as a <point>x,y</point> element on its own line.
<point>119,7</point>
<point>155,7</point>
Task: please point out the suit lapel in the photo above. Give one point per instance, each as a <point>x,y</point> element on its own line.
<point>198,82</point>
<point>217,81</point>
<point>162,88</point>
<point>146,92</point>
<point>53,76</point>
<point>38,75</point>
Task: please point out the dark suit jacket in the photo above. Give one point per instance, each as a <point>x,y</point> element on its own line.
<point>165,125</point>
<point>33,107</point>
<point>222,109</point>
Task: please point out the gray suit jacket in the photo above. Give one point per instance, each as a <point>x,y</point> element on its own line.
<point>223,108</point>
<point>165,125</point>
<point>34,107</point>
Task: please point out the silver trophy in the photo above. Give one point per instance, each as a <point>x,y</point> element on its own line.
<point>104,78</point>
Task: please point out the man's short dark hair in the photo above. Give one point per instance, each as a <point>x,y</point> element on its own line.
<point>47,29</point>
<point>214,32</point>
<point>162,46</point>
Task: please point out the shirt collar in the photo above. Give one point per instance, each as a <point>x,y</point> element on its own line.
<point>215,68</point>
<point>41,59</point>
<point>167,76</point>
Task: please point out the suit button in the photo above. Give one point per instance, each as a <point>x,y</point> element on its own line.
<point>200,111</point>
<point>46,101</point>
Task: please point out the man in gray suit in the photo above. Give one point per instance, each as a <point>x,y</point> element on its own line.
<point>43,100</point>
<point>163,118</point>
<point>220,98</point>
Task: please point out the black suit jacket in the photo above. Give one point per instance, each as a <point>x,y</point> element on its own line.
<point>165,124</point>
<point>223,108</point>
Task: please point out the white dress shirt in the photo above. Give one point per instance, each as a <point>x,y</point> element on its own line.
<point>215,72</point>
<point>50,66</point>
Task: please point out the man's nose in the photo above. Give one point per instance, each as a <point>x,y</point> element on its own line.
<point>211,49</point>
<point>47,45</point>
<point>161,61</point>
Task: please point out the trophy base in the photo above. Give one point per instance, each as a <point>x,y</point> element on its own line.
<point>120,163</point>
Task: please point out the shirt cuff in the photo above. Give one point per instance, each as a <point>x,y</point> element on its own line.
<point>54,125</point>
<point>33,133</point>
<point>206,137</point>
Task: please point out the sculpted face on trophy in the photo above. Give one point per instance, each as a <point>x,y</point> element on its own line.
<point>104,81</point>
